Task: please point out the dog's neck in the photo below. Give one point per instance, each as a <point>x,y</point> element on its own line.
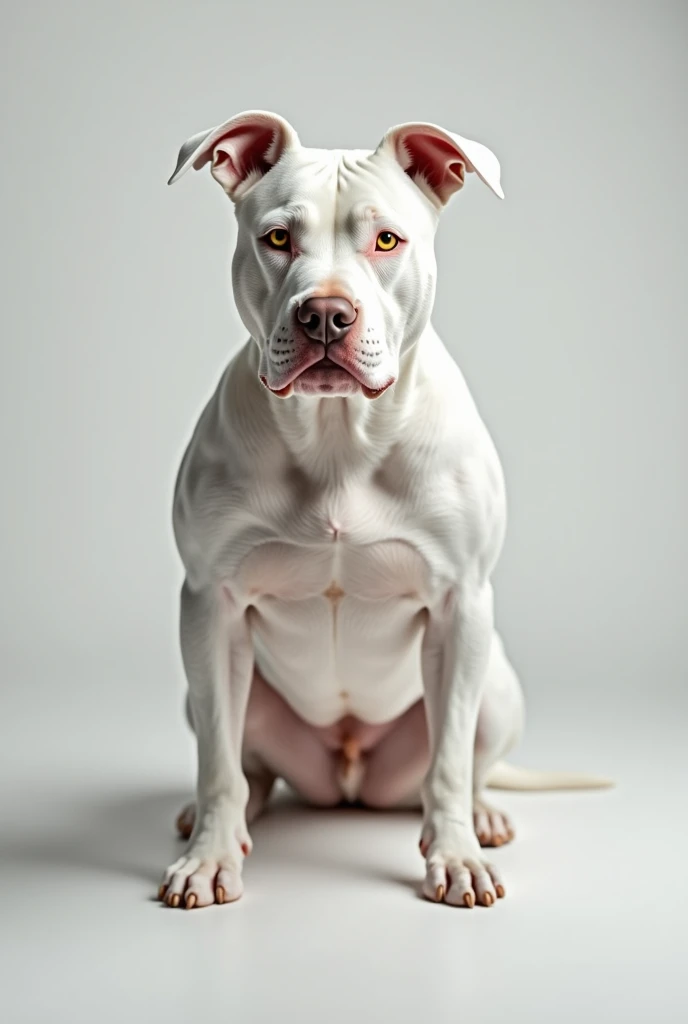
<point>338,438</point>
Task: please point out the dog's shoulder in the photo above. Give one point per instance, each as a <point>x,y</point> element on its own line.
<point>448,450</point>
<point>447,418</point>
<point>220,462</point>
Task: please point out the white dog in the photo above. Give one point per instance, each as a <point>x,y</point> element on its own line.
<point>339,512</point>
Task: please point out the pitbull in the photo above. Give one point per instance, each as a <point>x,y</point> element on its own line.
<point>339,512</point>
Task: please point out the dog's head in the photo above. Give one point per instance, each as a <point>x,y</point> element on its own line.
<point>334,269</point>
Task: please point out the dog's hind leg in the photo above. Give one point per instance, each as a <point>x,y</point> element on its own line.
<point>396,766</point>
<point>277,744</point>
<point>500,724</point>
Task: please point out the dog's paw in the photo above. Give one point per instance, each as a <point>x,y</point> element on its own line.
<point>455,871</point>
<point>210,870</point>
<point>199,882</point>
<point>492,827</point>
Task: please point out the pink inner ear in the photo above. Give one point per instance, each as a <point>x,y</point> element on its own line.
<point>437,160</point>
<point>253,143</point>
<point>241,151</point>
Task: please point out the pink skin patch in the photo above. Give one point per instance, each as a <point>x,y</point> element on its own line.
<point>327,379</point>
<point>343,353</point>
<point>348,729</point>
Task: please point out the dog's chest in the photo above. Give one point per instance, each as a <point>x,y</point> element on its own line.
<point>355,542</point>
<point>337,613</point>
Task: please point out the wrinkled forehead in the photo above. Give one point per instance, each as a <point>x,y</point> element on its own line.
<point>336,189</point>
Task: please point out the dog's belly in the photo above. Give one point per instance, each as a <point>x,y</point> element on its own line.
<point>331,657</point>
<point>337,631</point>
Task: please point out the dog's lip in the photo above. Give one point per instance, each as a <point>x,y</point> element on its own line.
<point>283,392</point>
<point>375,392</point>
<point>365,388</point>
<point>325,364</point>
<point>328,364</point>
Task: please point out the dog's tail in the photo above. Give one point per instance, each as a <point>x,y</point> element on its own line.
<point>511,776</point>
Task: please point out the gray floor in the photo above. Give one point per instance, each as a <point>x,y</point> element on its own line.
<point>332,927</point>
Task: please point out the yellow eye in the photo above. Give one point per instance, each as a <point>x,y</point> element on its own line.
<point>386,241</point>
<point>279,239</point>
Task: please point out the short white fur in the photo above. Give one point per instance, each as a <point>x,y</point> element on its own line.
<point>394,495</point>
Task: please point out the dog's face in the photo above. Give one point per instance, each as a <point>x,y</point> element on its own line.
<point>334,269</point>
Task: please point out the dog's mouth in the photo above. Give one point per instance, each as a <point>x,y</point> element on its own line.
<point>327,377</point>
<point>341,363</point>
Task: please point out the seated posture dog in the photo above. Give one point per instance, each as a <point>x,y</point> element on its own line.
<point>339,512</point>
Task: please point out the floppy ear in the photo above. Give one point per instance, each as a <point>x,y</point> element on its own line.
<point>242,150</point>
<point>437,160</point>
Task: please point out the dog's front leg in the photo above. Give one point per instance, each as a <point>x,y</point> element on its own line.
<point>455,653</point>
<point>218,660</point>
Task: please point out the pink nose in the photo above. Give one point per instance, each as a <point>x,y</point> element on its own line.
<point>326,320</point>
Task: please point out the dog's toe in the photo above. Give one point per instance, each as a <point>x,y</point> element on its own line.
<point>492,827</point>
<point>456,873</point>
<point>192,883</point>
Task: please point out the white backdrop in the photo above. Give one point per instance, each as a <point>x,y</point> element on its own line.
<point>565,305</point>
